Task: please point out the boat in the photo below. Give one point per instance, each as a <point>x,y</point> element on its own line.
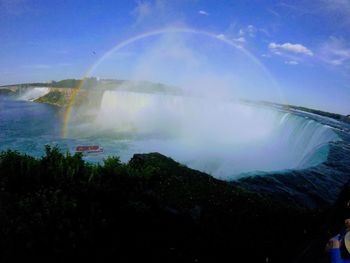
<point>88,149</point>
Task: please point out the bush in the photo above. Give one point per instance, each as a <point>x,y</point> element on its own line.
<point>59,208</point>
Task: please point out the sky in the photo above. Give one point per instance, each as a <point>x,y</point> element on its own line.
<point>304,45</point>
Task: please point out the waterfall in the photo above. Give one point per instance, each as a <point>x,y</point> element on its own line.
<point>31,94</point>
<point>219,137</point>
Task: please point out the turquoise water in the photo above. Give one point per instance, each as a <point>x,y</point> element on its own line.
<point>27,126</point>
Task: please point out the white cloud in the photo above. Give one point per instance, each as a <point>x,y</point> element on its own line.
<point>156,13</point>
<point>202,12</point>
<point>291,62</point>
<point>335,51</point>
<point>142,10</point>
<point>231,35</point>
<point>221,37</point>
<point>272,11</point>
<point>337,12</point>
<point>265,32</point>
<point>239,39</point>
<point>278,53</point>
<point>289,47</point>
<point>337,9</point>
<point>250,30</point>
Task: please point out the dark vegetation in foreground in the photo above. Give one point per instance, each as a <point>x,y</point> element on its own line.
<point>60,208</point>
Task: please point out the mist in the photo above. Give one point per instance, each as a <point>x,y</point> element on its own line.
<point>205,125</point>
<point>33,93</point>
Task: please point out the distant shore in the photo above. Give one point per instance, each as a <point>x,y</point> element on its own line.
<point>60,92</point>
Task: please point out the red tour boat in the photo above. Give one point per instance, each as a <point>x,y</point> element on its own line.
<point>88,149</point>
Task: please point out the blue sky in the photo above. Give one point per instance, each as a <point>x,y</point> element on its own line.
<point>305,45</point>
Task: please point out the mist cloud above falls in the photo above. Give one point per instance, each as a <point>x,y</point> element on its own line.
<point>209,73</point>
<point>206,122</point>
<point>197,63</point>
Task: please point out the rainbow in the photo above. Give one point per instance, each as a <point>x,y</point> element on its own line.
<point>154,33</point>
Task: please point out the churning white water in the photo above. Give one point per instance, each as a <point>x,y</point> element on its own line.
<point>223,138</point>
<point>31,94</point>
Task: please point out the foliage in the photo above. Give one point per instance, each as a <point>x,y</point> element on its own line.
<point>54,98</point>
<point>66,83</point>
<point>60,208</point>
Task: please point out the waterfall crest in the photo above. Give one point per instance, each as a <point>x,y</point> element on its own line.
<point>219,137</point>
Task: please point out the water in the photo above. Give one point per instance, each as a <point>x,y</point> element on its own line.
<point>224,139</point>
<point>295,155</point>
<point>26,126</point>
